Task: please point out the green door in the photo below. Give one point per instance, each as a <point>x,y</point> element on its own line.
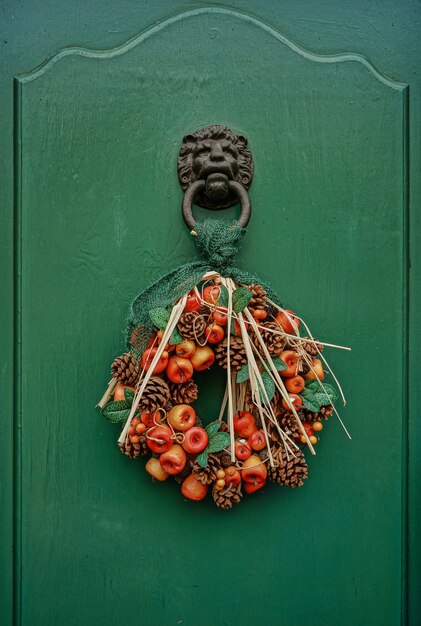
<point>102,98</point>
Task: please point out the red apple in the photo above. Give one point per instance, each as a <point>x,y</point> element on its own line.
<point>257,440</point>
<point>193,488</point>
<point>161,441</point>
<point>148,419</point>
<point>203,358</point>
<point>153,467</point>
<point>252,487</point>
<point>290,358</point>
<point>220,316</point>
<point>119,391</point>
<point>295,384</point>
<point>174,461</point>
<point>317,366</point>
<point>254,470</point>
<point>193,302</point>
<point>308,427</point>
<point>182,417</point>
<point>195,440</point>
<point>232,476</point>
<point>244,424</point>
<point>242,449</point>
<point>295,400</point>
<point>288,322</point>
<point>185,349</point>
<point>179,370</point>
<point>211,294</point>
<point>214,333</point>
<point>148,356</point>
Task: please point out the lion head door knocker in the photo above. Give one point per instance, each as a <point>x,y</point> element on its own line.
<point>215,170</point>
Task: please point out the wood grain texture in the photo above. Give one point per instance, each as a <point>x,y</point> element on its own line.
<point>99,219</point>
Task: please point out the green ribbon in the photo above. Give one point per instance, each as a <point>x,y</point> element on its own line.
<point>217,242</point>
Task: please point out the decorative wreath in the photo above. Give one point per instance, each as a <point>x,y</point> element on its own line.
<point>205,314</point>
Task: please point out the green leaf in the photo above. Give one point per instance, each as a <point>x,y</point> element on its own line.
<point>322,395</point>
<point>278,363</point>
<point>309,400</point>
<point>326,395</point>
<point>218,442</point>
<point>269,386</point>
<point>223,296</point>
<point>240,299</point>
<point>243,373</point>
<point>175,337</point>
<point>159,317</point>
<point>116,411</point>
<point>128,396</point>
<point>202,459</point>
<point>233,328</point>
<point>311,405</point>
<point>212,428</point>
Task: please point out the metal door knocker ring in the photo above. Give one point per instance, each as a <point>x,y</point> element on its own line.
<point>215,170</point>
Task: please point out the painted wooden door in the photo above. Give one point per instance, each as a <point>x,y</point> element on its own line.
<point>97,132</point>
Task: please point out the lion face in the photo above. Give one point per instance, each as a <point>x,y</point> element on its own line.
<point>216,155</point>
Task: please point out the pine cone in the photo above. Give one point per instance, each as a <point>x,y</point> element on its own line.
<point>191,325</point>
<point>155,395</point>
<point>125,369</point>
<point>207,475</point>
<point>225,460</point>
<point>274,343</point>
<point>290,472</point>
<point>184,393</point>
<point>312,348</point>
<point>205,310</point>
<point>258,299</point>
<point>288,423</point>
<point>325,413</point>
<point>135,443</point>
<point>237,353</point>
<point>226,497</point>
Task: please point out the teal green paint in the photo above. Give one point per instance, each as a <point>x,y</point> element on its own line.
<point>183,15</point>
<point>17,362</point>
<point>86,182</point>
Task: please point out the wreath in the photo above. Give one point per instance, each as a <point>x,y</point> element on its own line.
<point>210,314</point>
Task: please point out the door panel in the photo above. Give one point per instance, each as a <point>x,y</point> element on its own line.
<point>98,137</point>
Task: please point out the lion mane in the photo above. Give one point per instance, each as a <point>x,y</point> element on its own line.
<point>185,158</point>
